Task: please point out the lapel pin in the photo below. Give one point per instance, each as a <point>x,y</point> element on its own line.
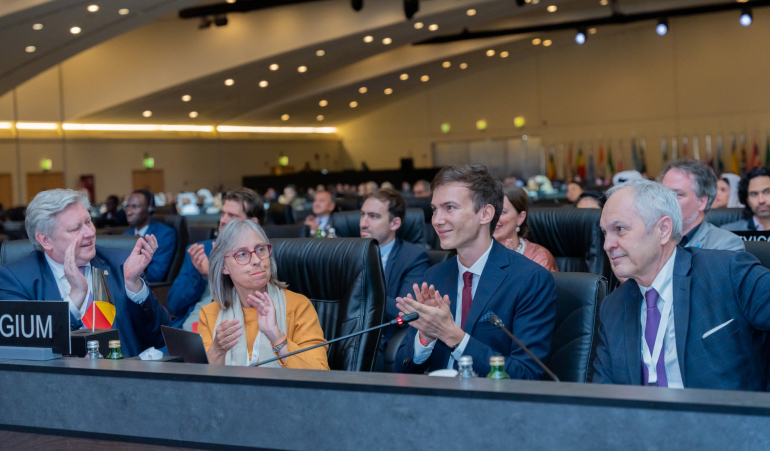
<point>106,273</point>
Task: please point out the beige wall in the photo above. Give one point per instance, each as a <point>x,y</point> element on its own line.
<point>707,76</point>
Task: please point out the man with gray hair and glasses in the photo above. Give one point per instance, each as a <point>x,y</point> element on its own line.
<point>695,186</point>
<point>65,255</point>
<point>686,317</point>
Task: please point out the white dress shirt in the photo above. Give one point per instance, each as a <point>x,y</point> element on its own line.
<point>385,252</point>
<point>322,222</point>
<point>421,353</point>
<point>142,231</point>
<point>664,285</point>
<point>64,287</point>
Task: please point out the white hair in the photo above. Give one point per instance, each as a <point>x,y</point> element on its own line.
<point>654,201</point>
<point>42,211</point>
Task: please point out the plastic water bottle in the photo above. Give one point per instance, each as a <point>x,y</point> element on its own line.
<point>332,233</point>
<point>93,350</point>
<point>465,367</point>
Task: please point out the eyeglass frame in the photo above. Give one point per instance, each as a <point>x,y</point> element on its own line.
<point>254,252</point>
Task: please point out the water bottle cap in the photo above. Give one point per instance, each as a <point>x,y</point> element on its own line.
<point>465,360</point>
<point>92,344</point>
<point>114,344</point>
<point>497,360</point>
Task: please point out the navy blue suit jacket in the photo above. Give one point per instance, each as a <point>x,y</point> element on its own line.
<point>31,279</point>
<point>158,268</point>
<point>711,288</point>
<point>188,287</point>
<point>406,266</point>
<point>519,291</point>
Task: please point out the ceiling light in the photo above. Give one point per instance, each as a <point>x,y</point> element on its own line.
<point>273,67</point>
<point>285,117</point>
<point>241,129</point>
<point>319,118</point>
<point>490,52</point>
<point>147,113</point>
<point>592,31</point>
<point>418,25</point>
<point>362,89</point>
<point>230,1</point>
<point>536,41</point>
<point>302,69</point>
<point>662,27</point>
<point>446,64</point>
<point>193,114</point>
<point>746,17</point>
<point>481,124</point>
<point>518,121</point>
<point>75,30</point>
<point>404,76</point>
<point>580,37</point>
<point>93,8</point>
<point>5,125</point>
<point>387,41</point>
<point>37,26</point>
<point>229,82</point>
<point>551,9</point>
<point>433,27</point>
<point>368,39</point>
<point>535,2</point>
<point>388,91</point>
<point>463,65</point>
<point>320,53</point>
<point>186,98</point>
<point>547,43</point>
<point>424,78</point>
<point>604,2</point>
<point>263,84</point>
<point>471,12</point>
<point>37,125</point>
<point>503,54</point>
<point>30,48</point>
<point>323,103</point>
<point>123,11</point>
<point>137,127</point>
<point>353,104</point>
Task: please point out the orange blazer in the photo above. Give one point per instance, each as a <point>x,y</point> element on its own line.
<point>302,329</point>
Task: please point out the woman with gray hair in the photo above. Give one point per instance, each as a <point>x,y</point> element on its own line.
<point>249,300</point>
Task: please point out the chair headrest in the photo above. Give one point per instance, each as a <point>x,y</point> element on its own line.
<point>412,230</point>
<point>12,251</point>
<point>566,232</point>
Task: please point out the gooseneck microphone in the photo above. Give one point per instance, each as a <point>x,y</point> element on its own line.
<point>408,318</point>
<point>497,322</point>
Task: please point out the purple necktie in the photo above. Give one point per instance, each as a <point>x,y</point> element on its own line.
<point>82,270</point>
<point>650,332</point>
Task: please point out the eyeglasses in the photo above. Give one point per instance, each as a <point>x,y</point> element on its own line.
<point>243,257</point>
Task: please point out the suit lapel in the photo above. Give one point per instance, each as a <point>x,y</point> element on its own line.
<point>448,285</point>
<point>633,333</point>
<point>50,288</point>
<point>491,277</point>
<point>681,305</point>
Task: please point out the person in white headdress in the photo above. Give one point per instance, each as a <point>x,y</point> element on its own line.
<point>727,192</point>
<point>626,176</point>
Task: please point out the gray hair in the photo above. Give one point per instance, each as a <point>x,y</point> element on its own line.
<point>704,180</point>
<point>654,201</point>
<point>42,211</point>
<point>221,285</point>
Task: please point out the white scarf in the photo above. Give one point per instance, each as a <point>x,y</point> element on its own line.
<point>239,354</point>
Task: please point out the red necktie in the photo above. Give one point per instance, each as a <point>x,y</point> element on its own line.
<point>467,296</point>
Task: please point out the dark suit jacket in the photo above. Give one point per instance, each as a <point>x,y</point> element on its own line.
<point>519,291</point>
<point>116,220</point>
<point>138,325</point>
<point>406,266</point>
<point>158,268</point>
<point>710,288</point>
<point>188,287</point>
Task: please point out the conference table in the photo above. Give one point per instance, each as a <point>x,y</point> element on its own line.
<point>86,404</point>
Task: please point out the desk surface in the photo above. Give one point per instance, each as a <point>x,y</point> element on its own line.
<point>217,406</point>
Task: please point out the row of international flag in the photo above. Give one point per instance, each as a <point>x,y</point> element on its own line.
<point>738,158</point>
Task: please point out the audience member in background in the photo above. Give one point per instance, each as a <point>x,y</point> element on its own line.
<point>320,187</point>
<point>590,199</point>
<point>695,186</point>
<point>59,269</point>
<point>406,190</point>
<point>138,212</point>
<point>114,217</point>
<point>727,192</point>
<point>512,230</point>
<point>310,194</point>
<point>388,185</point>
<point>189,292</point>
<point>626,176</point>
<point>188,204</point>
<point>323,206</point>
<point>687,317</point>
<point>206,201</point>
<point>574,190</point>
<point>404,263</point>
<point>422,188</point>
<point>754,193</point>
<point>253,316</point>
<point>483,279</point>
<point>288,196</point>
<point>271,195</point>
<point>370,187</point>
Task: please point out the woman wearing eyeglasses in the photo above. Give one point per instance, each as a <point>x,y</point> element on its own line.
<point>253,316</point>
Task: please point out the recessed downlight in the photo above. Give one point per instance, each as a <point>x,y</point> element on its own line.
<point>503,54</point>
<point>368,39</point>
<point>263,84</point>
<point>547,43</point>
<point>446,64</point>
<point>30,48</point>
<point>388,91</point>
<point>353,104</point>
<point>320,53</point>
<point>193,114</point>
<point>362,89</point>
<point>229,82</point>
<point>471,12</point>
<point>323,103</point>
<point>302,69</point>
<point>75,30</point>
<point>551,8</point>
<point>285,117</point>
<point>537,41</point>
<point>490,52</point>
<point>404,76</point>
<point>424,78</point>
<point>37,26</point>
<point>319,118</point>
<point>123,11</point>
<point>387,41</point>
<point>273,67</point>
<point>147,113</point>
<point>463,65</point>
<point>186,98</point>
<point>93,8</point>
<point>418,25</point>
<point>433,27</point>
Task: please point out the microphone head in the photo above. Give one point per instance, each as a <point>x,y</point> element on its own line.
<point>495,320</point>
<point>409,317</point>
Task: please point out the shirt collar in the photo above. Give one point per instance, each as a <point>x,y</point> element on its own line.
<point>58,268</point>
<point>757,225</point>
<point>687,238</point>
<point>663,278</point>
<point>477,267</point>
<point>385,250</point>
<point>142,231</point>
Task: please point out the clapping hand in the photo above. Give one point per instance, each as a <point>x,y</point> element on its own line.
<point>227,335</point>
<point>199,259</point>
<point>435,314</point>
<point>137,262</point>
<point>266,316</point>
<point>77,281</point>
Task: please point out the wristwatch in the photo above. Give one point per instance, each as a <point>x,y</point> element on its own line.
<point>277,348</point>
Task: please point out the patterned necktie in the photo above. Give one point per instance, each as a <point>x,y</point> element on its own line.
<point>467,296</point>
<point>650,332</point>
<point>90,299</point>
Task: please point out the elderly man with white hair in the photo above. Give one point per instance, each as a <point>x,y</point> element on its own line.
<point>686,317</point>
<point>65,255</point>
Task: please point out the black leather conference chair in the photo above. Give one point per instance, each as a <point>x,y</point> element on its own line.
<point>198,233</point>
<point>578,297</point>
<point>179,224</point>
<point>436,257</point>
<point>349,203</point>
<point>343,278</point>
<point>11,251</point>
<point>412,230</point>
<point>422,203</point>
<point>761,250</point>
<point>722,216</point>
<point>287,231</point>
<point>279,214</point>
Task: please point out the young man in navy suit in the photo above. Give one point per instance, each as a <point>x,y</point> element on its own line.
<point>66,254</point>
<point>382,214</point>
<point>686,317</point>
<point>138,212</point>
<point>484,279</point>
<point>189,292</point>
